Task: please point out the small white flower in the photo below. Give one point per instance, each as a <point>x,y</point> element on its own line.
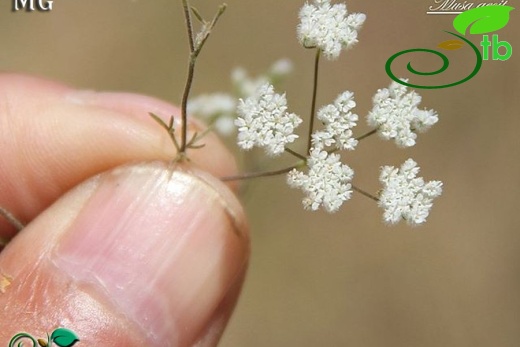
<point>217,109</point>
<point>396,116</point>
<point>207,106</point>
<point>225,126</point>
<point>281,68</point>
<point>338,121</point>
<point>327,182</point>
<point>406,196</point>
<point>328,27</point>
<point>244,85</point>
<point>263,121</point>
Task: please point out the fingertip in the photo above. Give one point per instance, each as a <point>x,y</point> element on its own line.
<point>142,248</point>
<point>10,82</point>
<point>55,137</point>
<point>214,157</point>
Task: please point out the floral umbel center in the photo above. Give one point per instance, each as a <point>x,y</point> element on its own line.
<point>263,119</point>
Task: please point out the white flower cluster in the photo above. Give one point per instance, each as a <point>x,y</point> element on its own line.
<point>218,109</point>
<point>327,182</point>
<point>245,86</point>
<point>328,27</point>
<point>338,121</point>
<point>263,121</point>
<point>406,196</point>
<point>396,116</point>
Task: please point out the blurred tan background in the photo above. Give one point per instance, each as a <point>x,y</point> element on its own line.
<point>344,279</point>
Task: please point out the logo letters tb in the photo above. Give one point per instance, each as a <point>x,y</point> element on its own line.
<point>495,45</point>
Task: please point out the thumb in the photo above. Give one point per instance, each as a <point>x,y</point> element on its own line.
<point>140,255</point>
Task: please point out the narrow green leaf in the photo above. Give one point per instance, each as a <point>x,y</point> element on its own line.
<point>170,124</point>
<point>157,119</point>
<point>64,337</point>
<point>202,145</point>
<point>482,20</point>
<point>197,14</point>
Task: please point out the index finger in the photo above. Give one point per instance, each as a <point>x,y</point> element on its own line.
<point>52,137</point>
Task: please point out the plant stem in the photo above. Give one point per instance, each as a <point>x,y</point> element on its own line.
<point>189,25</point>
<point>11,219</point>
<point>370,133</point>
<point>184,104</point>
<point>169,129</point>
<point>195,48</point>
<point>364,136</point>
<point>246,176</point>
<point>314,95</point>
<point>296,154</point>
<point>207,31</point>
<point>368,195</point>
<point>189,79</point>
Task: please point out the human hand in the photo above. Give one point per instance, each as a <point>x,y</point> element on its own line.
<point>132,255</point>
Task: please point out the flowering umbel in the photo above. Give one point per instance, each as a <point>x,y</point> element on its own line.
<point>406,196</point>
<point>327,183</point>
<point>338,122</point>
<point>396,116</point>
<point>263,121</point>
<point>218,109</point>
<point>328,28</point>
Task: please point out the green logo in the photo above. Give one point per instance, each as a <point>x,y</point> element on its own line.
<point>478,21</point>
<point>60,337</point>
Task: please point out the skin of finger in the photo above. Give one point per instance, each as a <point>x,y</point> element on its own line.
<point>53,137</point>
<point>35,295</point>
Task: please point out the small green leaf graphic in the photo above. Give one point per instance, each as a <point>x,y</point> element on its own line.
<point>482,20</point>
<point>64,337</point>
<point>451,45</point>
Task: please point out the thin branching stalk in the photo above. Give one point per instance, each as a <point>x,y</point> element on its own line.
<point>184,106</point>
<point>251,175</point>
<point>11,219</point>
<point>195,49</point>
<point>168,127</point>
<point>296,154</point>
<point>189,79</point>
<point>368,195</point>
<point>364,136</point>
<point>206,31</point>
<point>189,25</point>
<point>314,95</point>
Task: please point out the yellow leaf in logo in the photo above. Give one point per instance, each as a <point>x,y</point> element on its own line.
<point>451,45</point>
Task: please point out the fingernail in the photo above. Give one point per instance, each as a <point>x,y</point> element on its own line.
<point>164,246</point>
